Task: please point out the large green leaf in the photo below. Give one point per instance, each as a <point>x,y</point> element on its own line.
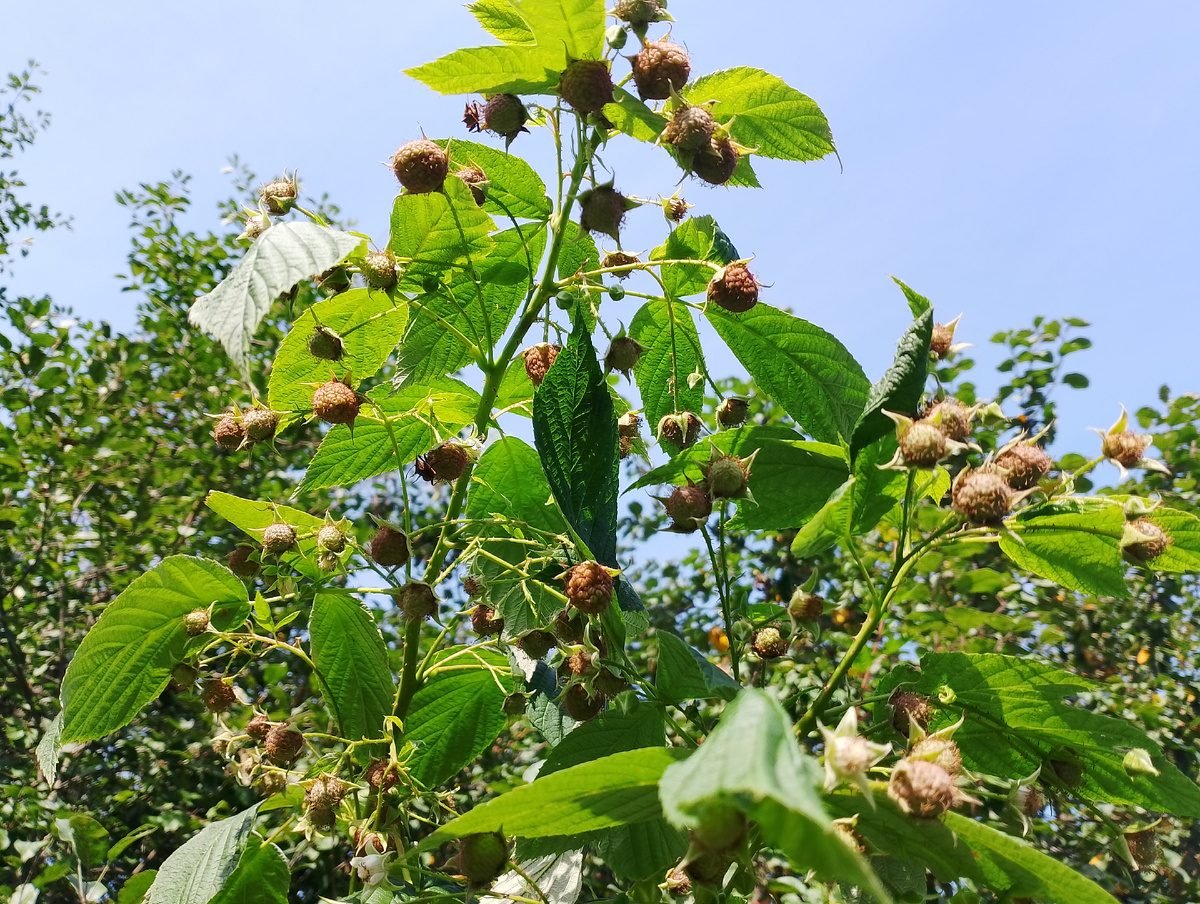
<point>352,664</point>
<point>684,673</point>
<point>1020,714</point>
<point>195,873</point>
<point>457,713</point>
<point>575,27</point>
<point>508,481</point>
<point>575,432</point>
<point>1183,528</point>
<point>371,322</point>
<point>672,355</point>
<point>420,414</point>
<point>1011,864</point>
<point>438,229</point>
<point>610,732</point>
<point>644,850</point>
<point>126,659</point>
<point>1074,542</point>
<point>501,20</point>
<point>279,258</point>
<point>619,789</point>
<point>488,70</point>
<point>769,116</point>
<point>751,760</point>
<point>261,876</point>
<point>696,238</point>
<point>899,389</point>
<point>802,367</point>
<point>514,188</point>
<point>253,517</point>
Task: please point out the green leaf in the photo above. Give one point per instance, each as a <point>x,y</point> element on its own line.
<point>610,732</point>
<point>195,873</point>
<point>573,26</point>
<point>684,673</point>
<point>1183,528</point>
<point>253,517</point>
<point>426,229</point>
<point>644,850</point>
<point>457,713</point>
<point>279,258</point>
<point>49,748</point>
<point>693,239</point>
<point>420,415</point>
<point>296,373</point>
<point>1074,542</point>
<point>578,252</point>
<point>1019,714</point>
<point>515,395</point>
<point>769,116</point>
<point>802,367</point>
<point>501,20</point>
<point>126,659</point>
<point>135,887</point>
<point>672,353</point>
<point>633,117</point>
<point>918,304</point>
<point>752,761</point>
<point>261,876</point>
<point>899,390</point>
<point>575,432</point>
<point>89,839</point>
<point>352,663</point>
<point>514,187</point>
<point>1011,863</point>
<point>489,70</point>
<point>619,789</point>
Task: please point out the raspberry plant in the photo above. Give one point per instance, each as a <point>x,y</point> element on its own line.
<point>690,779</point>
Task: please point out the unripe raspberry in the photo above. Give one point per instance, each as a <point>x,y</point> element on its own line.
<point>690,130</point>
<point>1029,801</point>
<point>721,827</point>
<point>421,166</point>
<point>715,162</point>
<point>327,561</point>
<point>940,751</point>
<point>477,181</point>
<point>270,783</point>
<point>446,462</point>
<point>587,86</point>
<point>805,606</point>
<point>260,424</point>
<point>581,664</point>
<point>195,622</point>
<point>727,477</point>
<point>1143,541</point>
<point>942,339</point>
<point>708,868</point>
<point>689,507</point>
<point>330,539</point>
<point>982,496</point>
<point>733,412</point>
<point>1143,847</point>
<point>228,434</point>
<point>325,344</point>
<point>1125,448</point>
<point>681,429</point>
<point>278,538</point>
<point>217,695</point>
<point>1025,464</point>
<point>567,629</point>
<point>579,706</point>
<point>660,68</point>
<point>608,683</point>
<point>1067,772</point>
<point>536,644</point>
<point>629,425</point>
<point>539,359</point>
<point>256,225</point>
<point>601,209</point>
<point>640,12</point>
<point>589,587</point>
<point>472,585</point>
<point>486,621</point>
<point>678,884</point>
<point>325,793</point>
<point>382,774</point>
<point>259,727</point>
<point>240,563</point>
<point>952,417</point>
<point>379,269</point>
<point>514,705</point>
<point>417,601</point>
<point>619,259</point>
<point>905,706</point>
<point>623,354</point>
<point>389,547</point>
<point>769,643</point>
<point>922,789</point>
<point>624,447</point>
<point>322,819</point>
<point>184,676</point>
<point>278,196</point>
<point>922,444</point>
<point>734,289</point>
<point>335,403</point>
<point>482,857</point>
<point>283,745</point>
<point>505,115</point>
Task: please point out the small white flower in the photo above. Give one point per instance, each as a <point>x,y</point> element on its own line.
<point>372,867</point>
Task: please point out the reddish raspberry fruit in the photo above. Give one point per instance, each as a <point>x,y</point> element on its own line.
<point>475,179</point>
<point>623,354</point>
<point>325,793</point>
<point>982,496</point>
<point>769,643</point>
<point>417,601</point>
<point>715,163</point>
<point>619,259</point>
<point>536,644</point>
<point>952,417</point>
<point>326,344</point>
<point>1025,464</point>
<point>805,606</point>
<point>217,695</point>
<point>660,68</point>
<point>283,745</point>
<point>601,209</point>
<point>579,705</point>
<point>681,429</point>
<point>689,508</point>
<point>260,424</point>
<point>922,444</point>
<point>486,621</point>
<point>336,403</point>
<point>482,858</point>
<point>734,289</point>
<point>908,707</point>
<point>539,359</point>
<point>382,775</point>
<point>733,412</point>
<point>690,130</point>
<point>241,564</point>
<point>446,462</point>
<point>421,166</point>
<point>1125,448</point>
<point>259,727</point>
<point>389,547</point>
<point>473,585</point>
<point>278,539</point>
<point>228,434</point>
<point>589,587</point>
<point>195,622</point>
<point>514,705</point>
<point>505,115</point>
<point>330,539</point>
<point>587,86</point>
<point>922,789</point>
<point>278,196</point>
<point>379,269</point>
<point>1143,541</point>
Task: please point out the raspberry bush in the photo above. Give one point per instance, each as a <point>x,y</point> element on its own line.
<point>660,771</point>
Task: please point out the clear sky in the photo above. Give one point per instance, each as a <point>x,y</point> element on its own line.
<point>1005,160</point>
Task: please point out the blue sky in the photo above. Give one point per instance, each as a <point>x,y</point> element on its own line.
<point>1004,160</point>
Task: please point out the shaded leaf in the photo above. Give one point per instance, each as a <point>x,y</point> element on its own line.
<point>672,353</point>
<point>352,664</point>
<point>610,732</point>
<point>684,673</point>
